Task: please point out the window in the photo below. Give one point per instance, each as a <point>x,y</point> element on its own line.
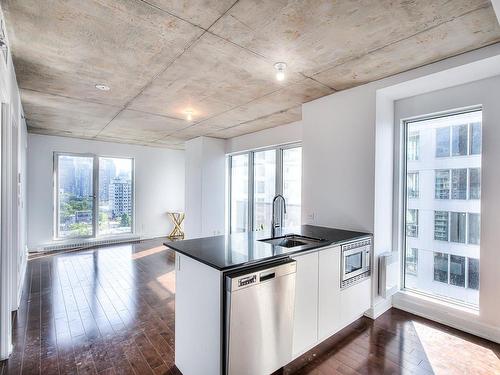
<point>411,263</point>
<point>475,138</point>
<point>115,195</point>
<point>441,267</point>
<point>412,184</point>
<point>443,142</point>
<point>94,195</point>
<point>465,139</point>
<point>459,140</point>
<point>459,183</point>
<point>441,206</point>
<point>412,223</point>
<point>441,225</point>
<point>442,184</point>
<point>457,270</point>
<point>475,183</point>
<point>457,227</point>
<point>255,179</point>
<point>473,274</point>
<point>292,185</point>
<point>474,228</point>
<point>413,145</point>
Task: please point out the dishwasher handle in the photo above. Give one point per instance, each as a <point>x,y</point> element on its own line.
<point>268,276</point>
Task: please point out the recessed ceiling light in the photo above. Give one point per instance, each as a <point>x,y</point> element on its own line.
<point>280,70</point>
<point>189,114</point>
<point>102,87</point>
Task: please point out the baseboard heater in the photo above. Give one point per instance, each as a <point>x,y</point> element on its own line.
<point>388,273</point>
<point>84,243</point>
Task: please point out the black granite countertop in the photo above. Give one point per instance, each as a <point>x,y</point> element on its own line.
<point>244,249</point>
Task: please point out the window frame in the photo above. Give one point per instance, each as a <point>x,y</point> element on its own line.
<point>251,196</point>
<point>400,192</point>
<point>95,195</point>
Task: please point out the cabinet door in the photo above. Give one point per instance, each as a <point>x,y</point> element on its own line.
<point>354,301</point>
<point>329,318</point>
<point>305,331</point>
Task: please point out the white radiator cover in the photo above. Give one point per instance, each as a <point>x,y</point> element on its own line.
<point>388,273</point>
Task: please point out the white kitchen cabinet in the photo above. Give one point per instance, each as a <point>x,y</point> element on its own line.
<point>354,301</point>
<point>305,332</point>
<point>329,314</point>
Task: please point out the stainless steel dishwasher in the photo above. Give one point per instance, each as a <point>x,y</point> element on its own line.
<point>259,318</point>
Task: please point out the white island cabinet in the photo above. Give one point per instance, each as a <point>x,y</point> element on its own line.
<point>329,317</point>
<point>320,307</point>
<point>305,328</point>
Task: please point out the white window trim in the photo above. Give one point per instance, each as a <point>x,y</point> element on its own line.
<point>279,180</point>
<point>95,208</point>
<point>399,199</point>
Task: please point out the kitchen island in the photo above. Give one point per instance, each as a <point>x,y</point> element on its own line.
<point>204,268</point>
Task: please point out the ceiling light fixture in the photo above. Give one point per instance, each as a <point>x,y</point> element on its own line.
<point>280,70</point>
<point>102,87</point>
<point>189,115</point>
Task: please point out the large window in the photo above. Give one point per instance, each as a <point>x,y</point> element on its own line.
<point>442,203</point>
<point>94,195</point>
<point>255,179</point>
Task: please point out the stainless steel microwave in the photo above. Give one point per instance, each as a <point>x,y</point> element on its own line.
<point>355,262</point>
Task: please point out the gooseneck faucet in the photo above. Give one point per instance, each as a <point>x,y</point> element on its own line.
<point>274,224</point>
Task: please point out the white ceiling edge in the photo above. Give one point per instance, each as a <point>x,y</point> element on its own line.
<point>496,7</point>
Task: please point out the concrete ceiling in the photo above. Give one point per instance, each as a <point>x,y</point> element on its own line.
<point>215,58</point>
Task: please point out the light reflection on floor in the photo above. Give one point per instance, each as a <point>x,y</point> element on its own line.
<point>457,356</point>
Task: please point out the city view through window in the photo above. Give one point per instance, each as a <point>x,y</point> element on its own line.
<point>443,192</point>
<point>262,170</point>
<point>77,199</point>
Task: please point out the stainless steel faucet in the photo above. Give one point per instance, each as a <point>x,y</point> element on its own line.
<point>274,224</point>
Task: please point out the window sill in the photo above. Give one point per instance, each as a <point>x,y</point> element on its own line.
<point>434,302</point>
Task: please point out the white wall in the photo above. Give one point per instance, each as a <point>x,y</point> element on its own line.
<point>205,187</point>
<point>159,183</point>
<point>279,135</point>
<point>13,209</point>
<point>338,149</point>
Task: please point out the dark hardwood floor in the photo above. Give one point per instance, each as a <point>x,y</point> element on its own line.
<point>111,310</point>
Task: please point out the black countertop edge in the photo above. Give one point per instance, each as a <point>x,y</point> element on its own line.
<point>196,250</point>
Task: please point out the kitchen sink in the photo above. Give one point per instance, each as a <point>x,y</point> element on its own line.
<point>292,240</point>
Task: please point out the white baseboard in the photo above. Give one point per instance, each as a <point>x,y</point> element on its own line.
<point>379,308</point>
<point>463,319</point>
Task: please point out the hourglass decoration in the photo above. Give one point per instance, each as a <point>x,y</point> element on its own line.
<point>177,219</point>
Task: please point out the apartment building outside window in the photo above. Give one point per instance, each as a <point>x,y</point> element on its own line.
<point>442,202</point>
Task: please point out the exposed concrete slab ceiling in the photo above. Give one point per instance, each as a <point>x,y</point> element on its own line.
<point>215,58</point>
